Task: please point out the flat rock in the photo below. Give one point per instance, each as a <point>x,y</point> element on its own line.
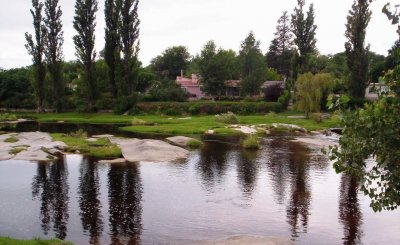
<point>245,129</point>
<point>135,150</point>
<point>102,136</point>
<point>289,126</point>
<point>248,240</point>
<point>38,145</point>
<point>181,141</point>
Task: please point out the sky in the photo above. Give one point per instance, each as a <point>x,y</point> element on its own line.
<point>166,23</point>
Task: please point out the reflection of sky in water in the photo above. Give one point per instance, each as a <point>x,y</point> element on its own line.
<point>220,191</point>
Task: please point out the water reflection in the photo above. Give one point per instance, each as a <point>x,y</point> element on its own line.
<point>247,167</point>
<point>300,198</point>
<point>50,186</point>
<point>89,200</point>
<point>125,196</point>
<point>213,163</point>
<point>349,210</point>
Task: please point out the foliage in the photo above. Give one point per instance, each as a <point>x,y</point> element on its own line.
<point>253,66</point>
<point>171,62</point>
<point>356,52</point>
<point>129,31</point>
<point>284,99</point>
<point>304,30</point>
<point>53,51</point>
<point>85,24</point>
<point>15,89</point>
<point>310,91</point>
<point>251,143</point>
<point>227,118</point>
<point>36,241</point>
<point>166,91</point>
<point>36,48</point>
<point>208,108</point>
<point>280,49</point>
<point>125,104</point>
<point>273,92</point>
<point>215,67</point>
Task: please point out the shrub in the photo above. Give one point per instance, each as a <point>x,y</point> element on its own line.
<point>125,104</point>
<point>227,118</point>
<point>317,117</point>
<point>251,143</point>
<point>78,134</point>
<point>284,99</point>
<point>273,92</point>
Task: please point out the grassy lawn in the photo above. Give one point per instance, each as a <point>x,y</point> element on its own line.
<point>102,148</point>
<point>10,241</point>
<point>195,125</point>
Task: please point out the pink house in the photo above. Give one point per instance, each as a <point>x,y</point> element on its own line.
<point>192,86</point>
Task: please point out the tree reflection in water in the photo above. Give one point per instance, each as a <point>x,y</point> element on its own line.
<point>50,187</point>
<point>247,171</point>
<point>89,201</point>
<point>213,163</point>
<point>349,210</point>
<point>125,196</point>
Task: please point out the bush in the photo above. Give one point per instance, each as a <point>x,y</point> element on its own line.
<point>273,92</point>
<point>125,104</point>
<point>208,108</point>
<point>227,118</point>
<point>78,134</point>
<point>251,143</point>
<point>284,99</point>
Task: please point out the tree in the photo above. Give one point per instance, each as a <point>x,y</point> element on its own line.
<point>310,91</point>
<point>356,52</point>
<point>304,30</point>
<point>172,61</point>
<point>215,67</point>
<point>53,51</point>
<point>130,46</point>
<point>36,50</point>
<point>84,24</point>
<point>253,67</point>
<point>373,133</point>
<point>112,50</point>
<point>280,50</point>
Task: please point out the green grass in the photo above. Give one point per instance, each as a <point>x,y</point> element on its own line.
<point>159,124</point>
<point>11,140</point>
<point>251,143</point>
<point>102,148</point>
<point>17,150</point>
<point>194,144</point>
<point>10,241</point>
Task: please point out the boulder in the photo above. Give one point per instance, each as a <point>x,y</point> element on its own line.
<point>289,127</point>
<point>181,141</point>
<point>135,150</point>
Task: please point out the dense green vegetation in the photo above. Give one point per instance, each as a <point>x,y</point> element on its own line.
<point>10,241</point>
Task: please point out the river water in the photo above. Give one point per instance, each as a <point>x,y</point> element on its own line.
<point>284,190</point>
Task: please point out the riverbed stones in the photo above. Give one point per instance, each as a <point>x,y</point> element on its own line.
<point>37,146</point>
<point>290,127</point>
<point>147,150</point>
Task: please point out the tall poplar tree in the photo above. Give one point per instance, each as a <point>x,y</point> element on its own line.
<point>53,51</point>
<point>304,30</point>
<point>130,46</point>
<point>112,51</point>
<point>84,24</point>
<point>356,51</point>
<point>36,46</point>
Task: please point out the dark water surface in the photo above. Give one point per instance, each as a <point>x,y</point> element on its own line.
<point>220,191</point>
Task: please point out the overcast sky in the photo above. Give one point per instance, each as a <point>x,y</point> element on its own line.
<point>191,23</point>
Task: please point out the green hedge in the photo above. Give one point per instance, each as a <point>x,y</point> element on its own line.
<point>208,108</point>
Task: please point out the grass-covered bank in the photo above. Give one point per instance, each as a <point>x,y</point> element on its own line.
<point>101,148</point>
<point>181,125</point>
<point>10,241</point>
